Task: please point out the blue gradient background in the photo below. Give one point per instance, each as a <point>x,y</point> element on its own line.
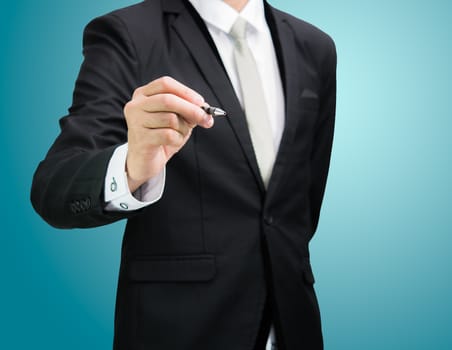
<point>382,251</point>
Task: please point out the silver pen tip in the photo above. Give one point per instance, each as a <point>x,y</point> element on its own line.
<point>218,112</point>
<point>214,111</point>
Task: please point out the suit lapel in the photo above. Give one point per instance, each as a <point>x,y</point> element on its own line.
<point>207,60</point>
<point>215,75</point>
<point>285,47</point>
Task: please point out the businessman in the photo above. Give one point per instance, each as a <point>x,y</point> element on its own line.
<point>220,210</point>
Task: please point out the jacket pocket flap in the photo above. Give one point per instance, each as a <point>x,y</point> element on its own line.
<point>187,268</point>
<point>308,93</point>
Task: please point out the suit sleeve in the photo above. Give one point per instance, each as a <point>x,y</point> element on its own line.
<point>323,138</point>
<point>67,188</point>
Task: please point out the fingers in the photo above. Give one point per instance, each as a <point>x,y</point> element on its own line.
<point>168,85</point>
<point>165,111</point>
<point>147,139</point>
<point>168,95</point>
<point>157,129</point>
<point>167,121</point>
<point>164,102</point>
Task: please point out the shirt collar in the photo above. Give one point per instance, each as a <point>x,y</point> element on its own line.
<point>222,16</point>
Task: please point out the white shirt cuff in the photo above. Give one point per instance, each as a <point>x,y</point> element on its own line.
<point>117,193</point>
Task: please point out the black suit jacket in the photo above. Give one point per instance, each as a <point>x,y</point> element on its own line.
<point>198,265</point>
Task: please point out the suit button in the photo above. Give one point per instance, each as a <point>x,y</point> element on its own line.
<point>268,220</point>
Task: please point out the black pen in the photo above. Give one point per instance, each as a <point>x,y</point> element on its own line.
<point>214,111</point>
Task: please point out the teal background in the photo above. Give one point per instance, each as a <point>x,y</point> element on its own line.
<point>382,251</point>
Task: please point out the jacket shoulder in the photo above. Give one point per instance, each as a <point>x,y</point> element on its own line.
<point>302,28</point>
<point>307,33</point>
<point>137,29</point>
<point>137,15</point>
<point>311,42</point>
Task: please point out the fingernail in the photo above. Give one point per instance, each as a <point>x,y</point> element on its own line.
<point>199,100</point>
<point>208,120</point>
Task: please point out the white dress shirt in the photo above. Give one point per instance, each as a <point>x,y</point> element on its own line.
<point>219,18</point>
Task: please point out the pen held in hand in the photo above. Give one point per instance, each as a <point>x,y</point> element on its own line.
<point>214,111</point>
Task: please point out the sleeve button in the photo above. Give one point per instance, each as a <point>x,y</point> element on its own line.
<point>124,206</point>
<point>113,185</point>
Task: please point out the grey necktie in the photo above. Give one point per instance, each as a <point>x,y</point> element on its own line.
<point>254,101</point>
